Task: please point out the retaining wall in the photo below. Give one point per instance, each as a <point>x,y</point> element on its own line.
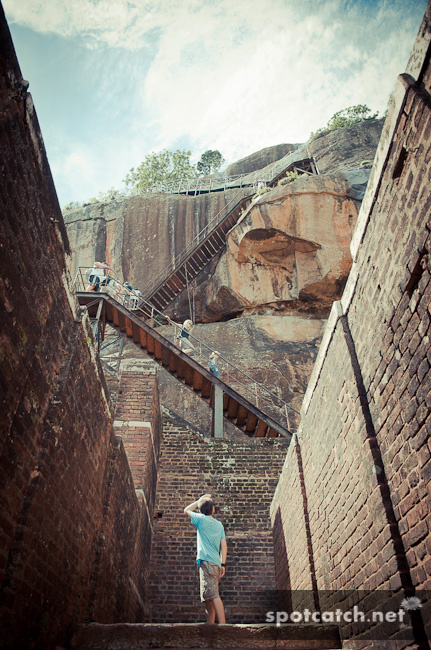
<point>241,476</point>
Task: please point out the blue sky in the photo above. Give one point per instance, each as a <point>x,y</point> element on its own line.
<point>113,80</point>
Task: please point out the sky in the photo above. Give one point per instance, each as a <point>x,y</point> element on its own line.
<point>114,80</point>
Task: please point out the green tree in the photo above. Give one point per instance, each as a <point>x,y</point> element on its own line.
<point>210,161</point>
<point>160,169</point>
<point>72,205</point>
<point>348,116</point>
<point>108,195</point>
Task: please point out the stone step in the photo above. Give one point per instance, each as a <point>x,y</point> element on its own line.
<point>139,636</point>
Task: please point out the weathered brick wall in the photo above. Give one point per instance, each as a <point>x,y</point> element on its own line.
<point>365,431</point>
<point>395,267</point>
<point>241,476</point>
<point>138,422</point>
<point>70,519</point>
<point>290,538</point>
<point>139,425</point>
<point>119,527</point>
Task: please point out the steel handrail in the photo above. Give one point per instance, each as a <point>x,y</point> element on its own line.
<point>200,183</point>
<point>252,178</point>
<point>209,349</point>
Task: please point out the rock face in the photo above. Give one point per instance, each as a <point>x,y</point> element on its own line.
<point>264,300</point>
<point>347,148</point>
<point>260,159</point>
<point>140,236</point>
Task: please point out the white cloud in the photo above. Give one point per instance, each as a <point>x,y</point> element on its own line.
<point>110,22</point>
<point>76,167</point>
<point>287,78</point>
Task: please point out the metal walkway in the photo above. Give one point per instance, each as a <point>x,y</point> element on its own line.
<point>248,416</point>
<point>267,176</point>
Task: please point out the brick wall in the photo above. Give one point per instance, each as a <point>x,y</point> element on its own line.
<point>138,422</point>
<point>241,475</point>
<point>364,439</point>
<point>71,525</point>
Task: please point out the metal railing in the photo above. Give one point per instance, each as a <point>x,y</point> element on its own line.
<point>111,284</point>
<point>252,390</point>
<point>211,184</point>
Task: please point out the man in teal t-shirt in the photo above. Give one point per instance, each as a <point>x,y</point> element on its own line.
<point>211,555</point>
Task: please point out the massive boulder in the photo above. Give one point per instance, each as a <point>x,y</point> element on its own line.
<point>141,235</point>
<point>348,148</point>
<point>260,159</point>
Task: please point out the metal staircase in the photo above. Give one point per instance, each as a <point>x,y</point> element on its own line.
<point>178,275</point>
<point>247,413</point>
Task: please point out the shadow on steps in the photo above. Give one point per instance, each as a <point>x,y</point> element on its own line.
<point>139,636</point>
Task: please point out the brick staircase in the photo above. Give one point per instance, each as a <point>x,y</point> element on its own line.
<point>125,636</point>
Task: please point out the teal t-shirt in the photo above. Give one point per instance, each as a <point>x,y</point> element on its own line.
<point>210,532</point>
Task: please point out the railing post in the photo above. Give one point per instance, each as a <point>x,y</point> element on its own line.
<point>287,417</point>
<point>217,419</point>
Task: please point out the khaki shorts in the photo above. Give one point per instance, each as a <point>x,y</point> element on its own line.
<point>209,575</point>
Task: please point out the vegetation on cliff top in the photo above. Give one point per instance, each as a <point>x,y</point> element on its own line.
<point>160,169</point>
<point>210,162</point>
<point>167,168</point>
<point>346,117</point>
<point>157,171</point>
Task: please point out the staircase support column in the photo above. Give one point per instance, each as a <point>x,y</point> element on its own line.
<point>217,421</point>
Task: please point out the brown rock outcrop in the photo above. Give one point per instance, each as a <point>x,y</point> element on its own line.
<point>260,159</point>
<point>341,149</point>
<point>334,151</point>
<point>290,251</point>
<point>140,236</point>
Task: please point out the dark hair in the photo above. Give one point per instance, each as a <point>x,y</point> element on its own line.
<point>207,508</point>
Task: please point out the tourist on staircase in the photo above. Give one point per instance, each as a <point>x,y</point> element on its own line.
<point>134,299</point>
<point>97,276</point>
<point>183,337</point>
<point>211,555</point>
<point>131,300</point>
<point>212,364</point>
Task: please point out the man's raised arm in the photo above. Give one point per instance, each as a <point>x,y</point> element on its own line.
<point>196,504</point>
<point>223,549</point>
